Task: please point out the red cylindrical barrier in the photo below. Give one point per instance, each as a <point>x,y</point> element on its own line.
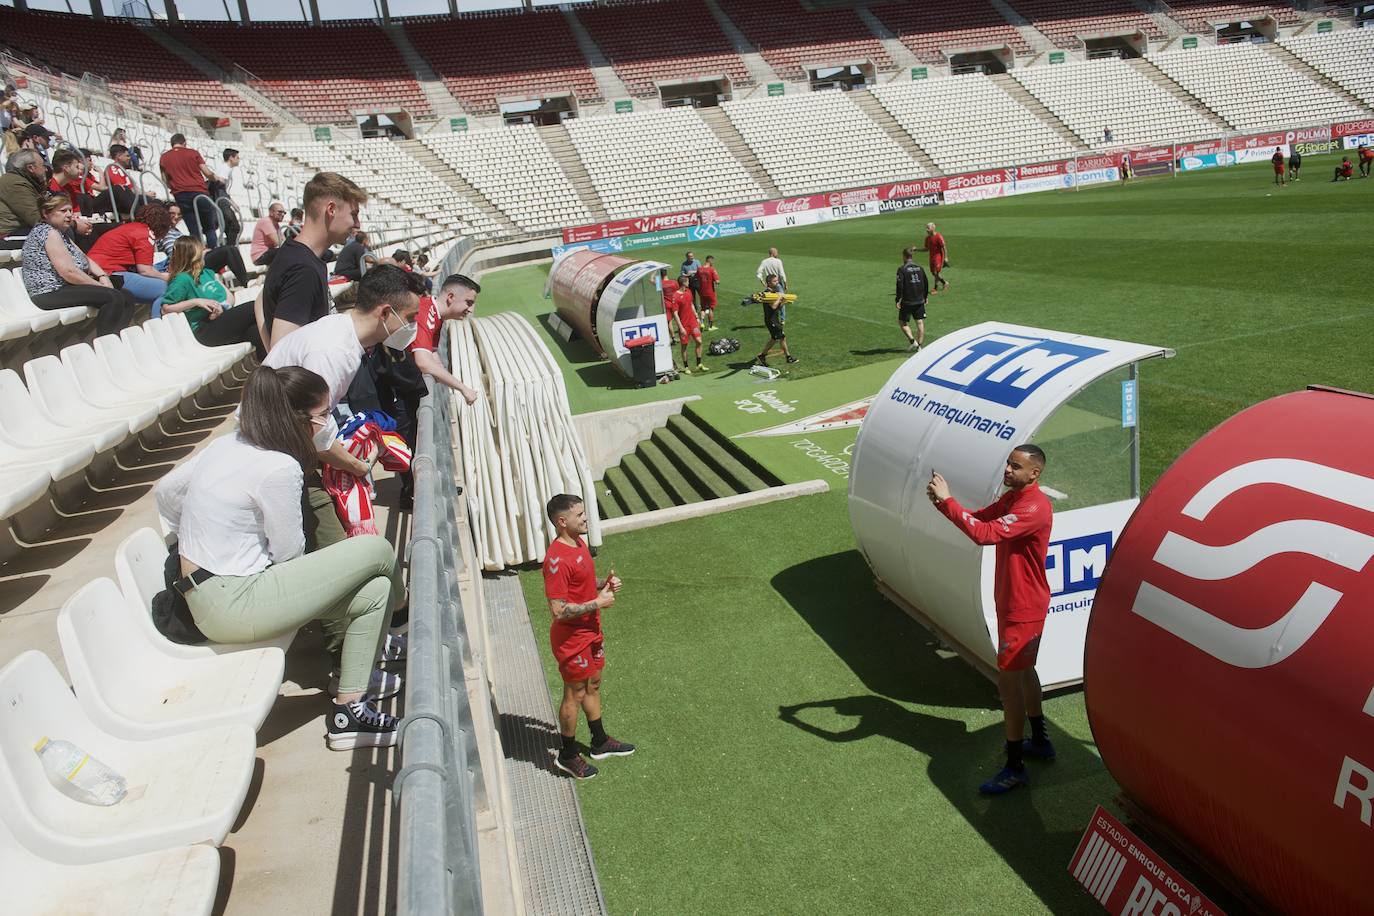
<point>1229,665</point>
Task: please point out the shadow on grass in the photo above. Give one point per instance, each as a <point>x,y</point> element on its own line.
<point>601,375</point>
<point>574,351</point>
<point>881,351</point>
<point>1015,825</point>
<point>892,654</point>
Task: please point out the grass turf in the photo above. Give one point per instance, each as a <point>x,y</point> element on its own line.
<point>806,747</point>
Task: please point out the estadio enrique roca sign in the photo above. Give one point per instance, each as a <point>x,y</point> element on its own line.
<point>1229,683</point>
<point>959,407</point>
<point>1128,877</point>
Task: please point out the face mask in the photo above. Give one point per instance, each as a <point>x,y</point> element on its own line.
<point>402,337</point>
<point>324,436</point>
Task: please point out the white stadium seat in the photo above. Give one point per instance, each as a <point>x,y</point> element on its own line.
<point>23,420</point>
<point>59,395</point>
<point>131,688</point>
<point>183,790</point>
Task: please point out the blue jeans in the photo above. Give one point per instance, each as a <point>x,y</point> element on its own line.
<point>144,289</point>
<point>200,221</point>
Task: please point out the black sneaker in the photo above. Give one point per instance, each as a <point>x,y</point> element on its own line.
<point>611,748</point>
<point>758,361</point>
<point>575,767</point>
<point>360,724</point>
<point>791,359</point>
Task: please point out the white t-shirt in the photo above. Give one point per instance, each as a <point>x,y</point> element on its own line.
<point>771,267</point>
<point>225,173</point>
<point>235,508</point>
<point>328,347</point>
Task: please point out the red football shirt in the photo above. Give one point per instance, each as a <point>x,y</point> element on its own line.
<point>707,278</point>
<point>1019,525</point>
<point>73,191</point>
<point>570,574</point>
<point>935,243</point>
<point>669,290</point>
<point>182,165</point>
<point>1277,159</point>
<point>682,305</point>
<point>124,248</point>
<point>427,324</point>
<point>118,177</point>
<point>1367,154</point>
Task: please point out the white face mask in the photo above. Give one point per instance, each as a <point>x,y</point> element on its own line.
<point>401,338</point>
<point>324,435</point>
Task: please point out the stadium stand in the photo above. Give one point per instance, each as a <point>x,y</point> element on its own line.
<point>133,64</point>
<point>1252,89</point>
<point>968,122</point>
<point>1064,22</point>
<point>819,141</point>
<point>516,171</point>
<point>659,161</point>
<point>791,37</point>
<point>318,78</point>
<point>672,40</point>
<point>1346,57</point>
<point>933,29</point>
<point>483,60</point>
<point>1201,15</point>
<point>1094,95</point>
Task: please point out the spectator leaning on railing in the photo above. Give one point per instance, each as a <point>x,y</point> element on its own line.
<point>236,511</point>
<point>185,172</point>
<point>126,252</point>
<point>22,189</point>
<point>194,289</point>
<point>57,274</point>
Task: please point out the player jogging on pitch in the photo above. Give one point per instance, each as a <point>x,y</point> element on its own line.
<point>1018,523</point>
<point>576,600</point>
<point>939,256</point>
<point>1277,159</point>
<point>912,291</point>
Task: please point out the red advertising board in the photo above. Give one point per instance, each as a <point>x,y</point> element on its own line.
<point>1201,148</point>
<point>1352,128</point>
<point>1227,660</point>
<point>1149,155</point>
<point>1126,876</point>
<point>1259,141</point>
<point>622,227</point>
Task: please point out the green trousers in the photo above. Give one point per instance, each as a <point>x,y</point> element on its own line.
<point>351,586</point>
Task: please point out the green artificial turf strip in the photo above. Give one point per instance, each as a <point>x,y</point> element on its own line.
<point>1260,290</point>
<point>862,801</point>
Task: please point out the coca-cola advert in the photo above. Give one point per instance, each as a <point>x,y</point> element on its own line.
<point>765,208</point>
<point>622,227</point>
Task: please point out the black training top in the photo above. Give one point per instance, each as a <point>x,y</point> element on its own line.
<point>297,286</point>
<point>912,286</point>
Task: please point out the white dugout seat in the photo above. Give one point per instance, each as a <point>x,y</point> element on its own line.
<point>183,790</point>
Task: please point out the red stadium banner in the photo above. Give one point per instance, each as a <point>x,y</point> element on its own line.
<point>978,185</point>
<point>765,208</point>
<point>1259,141</point>
<point>1201,148</point>
<point>1149,155</point>
<point>906,190</point>
<point>1352,128</point>
<point>1126,876</point>
<point>622,227</point>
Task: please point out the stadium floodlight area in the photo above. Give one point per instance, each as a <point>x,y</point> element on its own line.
<point>819,141</point>
<point>1346,57</point>
<point>659,161</point>
<point>516,171</point>
<point>1112,93</point>
<point>969,122</point>
<point>1252,89</point>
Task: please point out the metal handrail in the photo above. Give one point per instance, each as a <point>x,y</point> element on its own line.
<point>439,784</point>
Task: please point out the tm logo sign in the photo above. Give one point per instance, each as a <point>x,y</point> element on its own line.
<point>629,332</point>
<point>1005,368</point>
<point>1076,564</point>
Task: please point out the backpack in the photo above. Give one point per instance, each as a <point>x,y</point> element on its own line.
<point>170,613</point>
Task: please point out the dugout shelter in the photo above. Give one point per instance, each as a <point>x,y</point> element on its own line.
<point>609,300</point>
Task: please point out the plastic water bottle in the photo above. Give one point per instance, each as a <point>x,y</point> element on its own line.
<point>78,774</point>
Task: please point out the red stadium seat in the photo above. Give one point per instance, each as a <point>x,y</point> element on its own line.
<point>935,26</point>
<point>791,37</point>
<point>672,40</point>
<point>1197,15</point>
<point>1062,21</point>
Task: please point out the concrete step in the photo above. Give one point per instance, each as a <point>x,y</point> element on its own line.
<point>901,55</point>
<point>556,138</point>
<point>703,477</point>
<point>1161,79</point>
<point>1019,93</point>
<point>739,470</point>
<point>883,118</point>
<point>1312,73</point>
<point>202,61</point>
<point>1038,40</point>
<point>607,80</point>
<point>720,125</point>
<point>759,69</point>
<point>444,105</point>
<point>1172,28</point>
<point>669,475</point>
<point>445,173</point>
<point>624,491</point>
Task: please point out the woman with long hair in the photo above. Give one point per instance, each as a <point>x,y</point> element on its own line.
<point>236,511</point>
<point>194,289</point>
<point>58,275</point>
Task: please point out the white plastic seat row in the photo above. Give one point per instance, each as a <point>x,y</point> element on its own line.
<point>16,306</point>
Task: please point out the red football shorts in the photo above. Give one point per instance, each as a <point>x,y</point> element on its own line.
<point>690,327</point>
<point>1278,170</point>
<point>937,263</point>
<point>1018,644</point>
<point>708,301</point>
<point>580,655</point>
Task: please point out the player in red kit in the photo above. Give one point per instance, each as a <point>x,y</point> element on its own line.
<point>1018,524</point>
<point>939,256</point>
<point>456,300</point>
<point>707,278</point>
<point>1277,160</point>
<point>669,287</point>
<point>687,320</point>
<point>1366,160</point>
<point>576,600</point>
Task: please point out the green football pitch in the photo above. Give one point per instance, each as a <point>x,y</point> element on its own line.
<point>804,746</point>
